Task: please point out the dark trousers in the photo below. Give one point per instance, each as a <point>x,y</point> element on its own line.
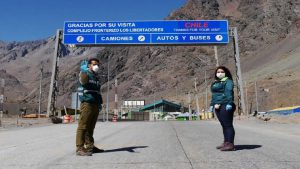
<point>86,125</point>
<point>226,120</point>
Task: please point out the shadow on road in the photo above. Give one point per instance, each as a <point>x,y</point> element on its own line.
<point>129,149</point>
<point>246,147</point>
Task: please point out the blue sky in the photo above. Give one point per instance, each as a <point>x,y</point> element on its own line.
<point>22,20</point>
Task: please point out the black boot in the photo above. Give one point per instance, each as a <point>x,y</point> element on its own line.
<point>82,152</point>
<point>228,147</point>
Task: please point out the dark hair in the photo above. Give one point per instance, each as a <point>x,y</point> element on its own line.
<point>226,70</point>
<point>93,59</point>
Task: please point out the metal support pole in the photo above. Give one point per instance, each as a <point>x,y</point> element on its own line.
<point>53,83</point>
<point>246,93</point>
<point>2,85</point>
<point>1,118</point>
<point>256,96</point>
<point>116,97</point>
<point>240,89</point>
<point>216,55</point>
<point>107,94</point>
<point>206,92</point>
<point>197,98</point>
<point>154,102</point>
<point>40,94</point>
<point>190,109</point>
<point>176,93</point>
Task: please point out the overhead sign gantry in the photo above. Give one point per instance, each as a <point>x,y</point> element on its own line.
<point>146,32</point>
<point>166,32</point>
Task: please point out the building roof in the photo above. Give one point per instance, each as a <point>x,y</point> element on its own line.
<point>286,108</point>
<point>159,103</point>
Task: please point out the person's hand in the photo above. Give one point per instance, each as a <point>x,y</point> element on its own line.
<point>211,109</point>
<point>228,107</point>
<point>217,106</point>
<point>84,66</point>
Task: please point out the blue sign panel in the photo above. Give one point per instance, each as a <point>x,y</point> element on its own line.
<point>147,32</point>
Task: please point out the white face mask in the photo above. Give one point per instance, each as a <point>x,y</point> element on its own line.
<point>95,68</point>
<point>220,75</point>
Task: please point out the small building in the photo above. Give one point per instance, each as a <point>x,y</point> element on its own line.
<point>160,109</point>
<point>163,106</point>
<point>130,109</point>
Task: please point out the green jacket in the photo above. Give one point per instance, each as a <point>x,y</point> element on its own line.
<point>222,92</point>
<point>89,90</point>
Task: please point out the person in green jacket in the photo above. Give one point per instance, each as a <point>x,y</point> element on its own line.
<point>91,101</point>
<point>222,103</point>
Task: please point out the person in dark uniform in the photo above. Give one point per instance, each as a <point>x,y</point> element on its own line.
<point>91,104</point>
<point>222,103</point>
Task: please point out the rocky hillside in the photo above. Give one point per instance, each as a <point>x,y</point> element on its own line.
<point>269,41</point>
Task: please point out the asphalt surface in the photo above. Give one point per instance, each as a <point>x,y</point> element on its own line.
<point>157,145</point>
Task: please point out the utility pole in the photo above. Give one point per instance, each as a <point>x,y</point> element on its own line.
<point>216,55</point>
<point>206,91</point>
<point>107,94</point>
<point>2,84</point>
<point>51,107</point>
<point>116,97</point>
<point>240,89</point>
<point>40,93</point>
<point>190,102</point>
<point>154,102</point>
<point>197,98</point>
<point>176,93</point>
<point>256,97</point>
<point>246,93</point>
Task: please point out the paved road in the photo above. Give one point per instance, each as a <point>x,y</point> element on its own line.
<point>167,145</point>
